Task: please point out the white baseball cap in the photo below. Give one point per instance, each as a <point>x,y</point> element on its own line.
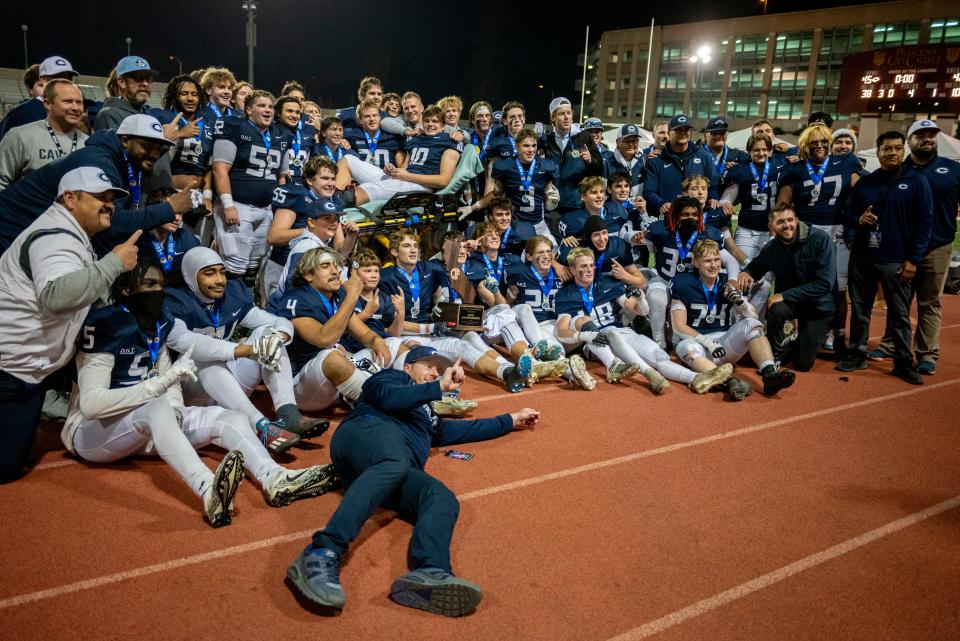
<point>556,103</point>
<point>142,126</point>
<point>92,180</point>
<point>922,125</point>
<point>56,65</point>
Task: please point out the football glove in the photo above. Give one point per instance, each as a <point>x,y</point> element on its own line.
<point>713,347</point>
<point>268,350</point>
<point>492,284</point>
<point>551,198</point>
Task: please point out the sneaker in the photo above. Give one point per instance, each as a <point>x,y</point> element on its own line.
<point>437,592</point>
<point>619,370</point>
<point>704,381</point>
<point>738,389</point>
<point>776,378</point>
<point>287,486</point>
<point>219,496</point>
<point>908,375</point>
<point>453,406</point>
<point>310,428</point>
<point>657,381</point>
<point>540,350</point>
<point>853,361</point>
<point>927,368</point>
<point>316,574</point>
<point>56,405</point>
<point>546,369</point>
<point>515,378</point>
<point>274,437</point>
<point>828,341</point>
<point>878,354</point>
<point>581,377</point>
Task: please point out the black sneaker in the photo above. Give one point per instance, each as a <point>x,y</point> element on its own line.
<point>907,375</point>
<point>776,379</point>
<point>852,361</point>
<point>436,591</point>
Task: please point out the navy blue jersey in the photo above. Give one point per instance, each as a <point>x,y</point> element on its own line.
<point>380,150</point>
<point>348,117</point>
<point>428,277</point>
<point>306,302</point>
<point>604,309</point>
<point>571,224</point>
<point>755,203</point>
<point>255,169</point>
<point>111,330</point>
<point>690,290</point>
<point>301,148</point>
<point>513,240</point>
<point>727,155</point>
<point>527,201</point>
<point>297,198</point>
<point>716,218</point>
<point>823,203</point>
<point>191,156</point>
<point>616,250</point>
<point>479,267</point>
<point>168,255</point>
<point>667,255</point>
<point>219,319</point>
<point>382,318</point>
<point>425,153</point>
<point>212,113</point>
<point>540,296</point>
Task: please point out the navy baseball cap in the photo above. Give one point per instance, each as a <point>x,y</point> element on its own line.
<point>592,123</point>
<point>717,124</point>
<point>628,130</point>
<point>427,355</point>
<point>133,64</point>
<point>679,121</point>
<point>324,207</point>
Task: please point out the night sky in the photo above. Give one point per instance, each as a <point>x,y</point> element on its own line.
<point>502,51</point>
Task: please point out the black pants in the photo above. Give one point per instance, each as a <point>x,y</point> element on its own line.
<point>813,326</point>
<point>20,405</point>
<point>864,279</point>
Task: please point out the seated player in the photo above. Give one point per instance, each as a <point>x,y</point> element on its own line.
<point>588,312</point>
<point>513,233</point>
<point>614,256</point>
<point>716,217</point>
<point>531,286</point>
<point>207,312</point>
<point>373,145</point>
<point>707,334</point>
<point>331,142</point>
<point>128,402</point>
<point>376,309</point>
<point>486,267</point>
<point>593,195</point>
<point>431,160</point>
<point>619,190</point>
<point>166,244</point>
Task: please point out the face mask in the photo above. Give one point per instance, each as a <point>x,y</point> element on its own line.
<point>688,226</point>
<point>146,307</point>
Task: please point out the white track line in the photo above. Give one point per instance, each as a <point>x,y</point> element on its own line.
<point>745,589</point>
<point>80,586</point>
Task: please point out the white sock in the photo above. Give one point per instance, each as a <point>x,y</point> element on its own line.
<point>352,387</point>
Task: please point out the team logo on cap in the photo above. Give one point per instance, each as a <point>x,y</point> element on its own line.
<point>156,127</point>
<point>141,62</point>
<point>927,123</point>
<point>60,62</point>
<point>102,176</point>
<point>720,123</point>
<point>682,119</point>
<point>329,206</point>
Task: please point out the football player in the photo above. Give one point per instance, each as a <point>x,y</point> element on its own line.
<point>288,111</point>
<point>249,161</point>
<point>241,91</point>
<point>593,197</point>
<point>374,145</point>
<point>614,255</point>
<point>220,87</point>
<point>128,401</point>
<point>391,104</point>
<point>371,89</point>
<point>331,142</point>
<point>381,312</point>
<point>713,217</point>
<point>715,142</point>
<point>166,245</point>
<point>503,144</point>
<point>707,334</point>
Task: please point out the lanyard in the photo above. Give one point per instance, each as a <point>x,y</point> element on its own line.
<point>525,178</point>
<point>599,262</point>
<point>682,249</point>
<point>218,113</point>
<point>413,281</point>
<point>166,257</point>
<point>339,153</point>
<point>505,237</point>
<point>545,286</point>
<point>265,135</point>
<point>153,344</point>
<point>587,297</point>
<point>486,139</point>
<point>332,305</point>
<point>817,176</point>
<point>56,141</point>
<point>603,213</point>
<point>372,142</point>
<point>627,205</point>
<point>721,159</point>
<point>710,293</point>
<point>214,313</point>
<point>762,182</point>
<point>296,141</point>
<point>499,271</point>
<point>513,145</point>
<point>133,182</point>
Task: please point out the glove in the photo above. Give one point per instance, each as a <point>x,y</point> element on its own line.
<point>586,337</point>
<point>441,329</point>
<point>643,307</point>
<point>551,198</point>
<point>464,211</point>
<point>436,312</point>
<point>268,350</point>
<point>734,296</point>
<point>181,370</point>
<point>603,338</point>
<point>492,284</point>
<point>712,346</point>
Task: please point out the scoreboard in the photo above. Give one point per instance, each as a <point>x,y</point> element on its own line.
<point>918,78</point>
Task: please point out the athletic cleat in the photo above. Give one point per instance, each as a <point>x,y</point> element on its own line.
<point>310,428</point>
<point>554,353</point>
<point>581,377</point>
<point>705,381</point>
<point>218,498</point>
<point>452,406</point>
<point>514,380</point>
<point>436,591</point>
<point>657,381</point>
<point>316,574</point>
<point>738,389</point>
<point>619,370</point>
<point>56,406</point>
<point>274,437</point>
<point>287,486</point>
<point>546,369</point>
<point>776,379</point>
<point>539,350</point>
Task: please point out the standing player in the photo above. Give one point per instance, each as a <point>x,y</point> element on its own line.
<point>370,90</point>
<point>706,333</point>
<point>301,135</point>
<point>220,86</point>
<point>593,196</point>
<point>818,187</point>
<point>249,161</point>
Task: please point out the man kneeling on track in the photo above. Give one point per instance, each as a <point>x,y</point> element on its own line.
<point>128,401</point>
<point>380,450</point>
<point>706,333</point>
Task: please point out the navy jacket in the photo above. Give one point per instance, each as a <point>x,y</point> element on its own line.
<point>804,270</point>
<point>943,175</point>
<point>30,110</point>
<point>23,201</point>
<point>665,174</point>
<point>572,169</point>
<point>391,397</point>
<point>901,201</point>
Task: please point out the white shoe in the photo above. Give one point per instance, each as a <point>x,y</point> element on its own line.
<point>56,405</point>
<point>579,373</point>
<point>287,486</point>
<point>219,496</point>
<point>657,381</point>
<point>704,381</point>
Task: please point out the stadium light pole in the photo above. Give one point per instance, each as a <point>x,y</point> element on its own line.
<point>26,55</point>
<point>129,41</point>
<point>700,58</point>
<point>250,6</point>
<point>179,64</point>
<point>583,81</point>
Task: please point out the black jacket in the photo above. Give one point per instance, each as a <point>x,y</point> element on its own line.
<point>805,270</point>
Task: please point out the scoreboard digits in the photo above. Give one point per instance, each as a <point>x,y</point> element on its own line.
<point>921,78</point>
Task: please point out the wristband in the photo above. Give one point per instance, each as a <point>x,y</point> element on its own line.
<point>226,200</point>
<point>208,194</point>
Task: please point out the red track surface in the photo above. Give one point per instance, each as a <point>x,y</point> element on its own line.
<point>831,512</point>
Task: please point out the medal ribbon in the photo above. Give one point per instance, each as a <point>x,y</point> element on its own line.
<point>153,344</point>
<point>413,280</point>
<point>587,298</point>
<point>545,286</point>
<point>166,257</point>
<point>762,182</point>
<point>682,249</point>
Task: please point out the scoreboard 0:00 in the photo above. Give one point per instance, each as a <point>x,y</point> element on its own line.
<point>921,78</point>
